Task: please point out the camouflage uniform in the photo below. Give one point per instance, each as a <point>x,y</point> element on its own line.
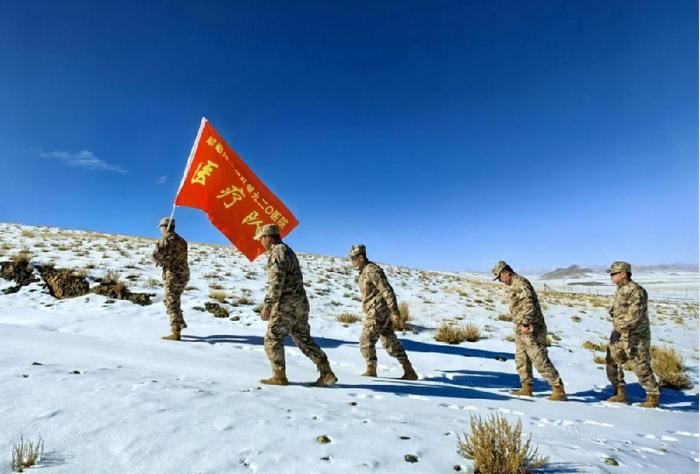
<point>171,254</point>
<point>531,348</point>
<point>631,322</point>
<point>286,298</point>
<point>378,303</point>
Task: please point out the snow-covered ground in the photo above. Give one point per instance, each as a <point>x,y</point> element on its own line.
<point>94,379</point>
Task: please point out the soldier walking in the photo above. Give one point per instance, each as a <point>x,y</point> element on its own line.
<point>171,254</point>
<point>286,309</point>
<point>631,337</point>
<point>530,333</point>
<point>380,308</point>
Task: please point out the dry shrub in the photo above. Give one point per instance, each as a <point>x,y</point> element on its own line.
<point>497,447</point>
<point>348,318</point>
<point>453,334</point>
<point>592,346</point>
<point>505,317</point>
<point>22,257</point>
<point>575,318</point>
<point>599,359</point>
<point>472,332</point>
<point>111,278</point>
<point>669,367</point>
<point>26,454</point>
<point>404,317</point>
<point>218,295</point>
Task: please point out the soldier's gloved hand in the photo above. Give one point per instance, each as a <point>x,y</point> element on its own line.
<point>614,337</point>
<point>395,318</point>
<point>265,313</point>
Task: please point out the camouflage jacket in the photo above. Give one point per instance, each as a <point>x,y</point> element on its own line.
<point>377,294</point>
<point>285,283</point>
<point>524,306</point>
<point>629,309</point>
<point>171,254</point>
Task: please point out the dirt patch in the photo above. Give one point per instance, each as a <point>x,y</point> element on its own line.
<point>217,310</point>
<point>118,291</point>
<point>20,272</point>
<point>64,282</point>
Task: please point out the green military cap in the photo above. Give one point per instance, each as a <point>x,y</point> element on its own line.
<point>358,249</point>
<point>617,267</point>
<point>267,229</point>
<point>500,266</point>
<point>166,221</point>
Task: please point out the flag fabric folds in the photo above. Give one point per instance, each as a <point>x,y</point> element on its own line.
<point>219,183</point>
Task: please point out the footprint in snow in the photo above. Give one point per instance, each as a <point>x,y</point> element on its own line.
<point>419,397</point>
<point>597,423</point>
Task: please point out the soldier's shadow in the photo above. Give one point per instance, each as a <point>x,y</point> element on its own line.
<point>323,342</point>
<point>330,343</point>
<point>485,379</point>
<point>449,349</point>
<point>670,399</point>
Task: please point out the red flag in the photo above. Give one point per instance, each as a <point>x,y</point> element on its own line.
<point>218,182</point>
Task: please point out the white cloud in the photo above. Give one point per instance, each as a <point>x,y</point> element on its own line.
<point>163,179</point>
<point>82,159</point>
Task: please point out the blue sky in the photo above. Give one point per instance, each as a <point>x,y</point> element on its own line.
<point>443,135</point>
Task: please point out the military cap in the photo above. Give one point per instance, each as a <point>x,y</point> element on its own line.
<point>500,266</point>
<point>267,229</point>
<point>358,249</point>
<point>165,221</point>
<point>617,267</point>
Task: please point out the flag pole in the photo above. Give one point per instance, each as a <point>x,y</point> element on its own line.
<point>187,168</point>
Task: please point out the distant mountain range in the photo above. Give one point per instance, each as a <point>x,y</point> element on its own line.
<point>575,271</point>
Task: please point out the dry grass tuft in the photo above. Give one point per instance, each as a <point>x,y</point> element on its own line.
<point>348,318</point>
<point>218,295</point>
<point>592,346</point>
<point>405,316</point>
<point>111,278</point>
<point>22,257</point>
<point>497,447</point>
<point>669,367</point>
<point>26,454</point>
<point>453,334</point>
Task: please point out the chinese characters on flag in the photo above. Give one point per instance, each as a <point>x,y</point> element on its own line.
<point>218,182</point>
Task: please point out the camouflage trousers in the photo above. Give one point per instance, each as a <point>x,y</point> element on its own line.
<point>291,320</point>
<point>378,326</point>
<point>637,353</point>
<point>173,288</point>
<point>532,351</point>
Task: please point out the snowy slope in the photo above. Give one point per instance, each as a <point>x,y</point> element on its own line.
<point>140,404</point>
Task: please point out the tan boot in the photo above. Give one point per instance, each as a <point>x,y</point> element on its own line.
<point>174,334</point>
<point>371,371</point>
<point>408,372</point>
<point>327,377</point>
<point>558,394</point>
<point>278,378</point>
<point>619,396</point>
<point>652,401</point>
<point>525,390</point>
